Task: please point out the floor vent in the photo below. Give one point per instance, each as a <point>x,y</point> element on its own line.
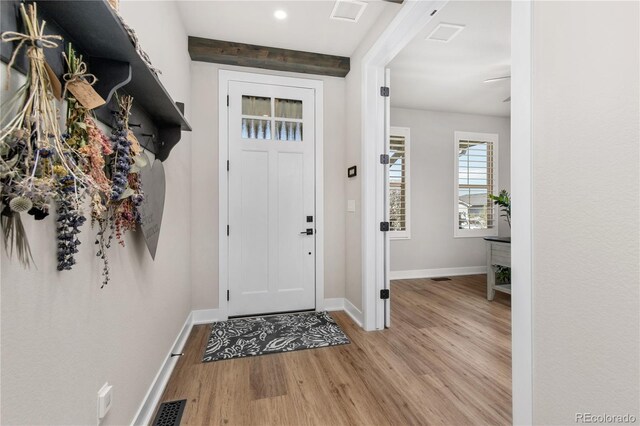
<point>441,279</point>
<point>170,413</point>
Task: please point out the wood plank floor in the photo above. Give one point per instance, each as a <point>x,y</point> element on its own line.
<point>446,360</point>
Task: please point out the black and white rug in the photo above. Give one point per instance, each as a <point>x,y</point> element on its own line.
<point>242,337</point>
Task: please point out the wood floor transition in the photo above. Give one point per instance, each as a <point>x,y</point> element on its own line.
<point>446,360</point>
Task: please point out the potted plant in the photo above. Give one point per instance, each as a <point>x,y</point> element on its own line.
<point>503,199</point>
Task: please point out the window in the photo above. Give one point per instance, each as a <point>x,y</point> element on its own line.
<point>476,176</point>
<point>399,183</point>
<point>258,115</point>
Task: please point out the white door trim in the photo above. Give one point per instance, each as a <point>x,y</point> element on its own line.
<point>409,21</point>
<point>224,77</point>
<point>522,220</point>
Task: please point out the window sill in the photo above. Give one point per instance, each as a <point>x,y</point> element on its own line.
<point>474,234</point>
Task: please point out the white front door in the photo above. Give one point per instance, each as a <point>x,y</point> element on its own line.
<point>271,198</point>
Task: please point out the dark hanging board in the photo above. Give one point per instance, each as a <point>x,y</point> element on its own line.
<point>95,32</point>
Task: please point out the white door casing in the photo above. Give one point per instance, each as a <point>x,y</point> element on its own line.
<point>271,194</point>
<point>266,264</point>
<point>387,243</point>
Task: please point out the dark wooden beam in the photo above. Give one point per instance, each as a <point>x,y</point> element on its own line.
<point>249,55</point>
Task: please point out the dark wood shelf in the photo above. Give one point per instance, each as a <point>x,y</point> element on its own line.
<point>95,31</point>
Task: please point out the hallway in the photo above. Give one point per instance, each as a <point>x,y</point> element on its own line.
<point>446,360</point>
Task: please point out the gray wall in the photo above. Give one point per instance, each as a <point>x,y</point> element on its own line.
<point>204,214</point>
<point>586,201</point>
<point>62,336</point>
<point>432,245</point>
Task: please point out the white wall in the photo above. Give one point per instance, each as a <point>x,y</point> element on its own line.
<point>204,216</point>
<point>353,80</point>
<point>63,336</point>
<point>432,245</point>
<point>586,279</point>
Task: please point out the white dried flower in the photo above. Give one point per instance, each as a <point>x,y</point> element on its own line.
<point>20,204</point>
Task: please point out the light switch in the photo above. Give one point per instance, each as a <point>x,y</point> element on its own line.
<point>351,205</point>
<point>105,398</point>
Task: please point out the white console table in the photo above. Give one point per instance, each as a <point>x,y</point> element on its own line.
<point>498,254</point>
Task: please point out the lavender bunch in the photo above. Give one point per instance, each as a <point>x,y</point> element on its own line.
<point>104,242</point>
<point>69,221</point>
<point>122,159</point>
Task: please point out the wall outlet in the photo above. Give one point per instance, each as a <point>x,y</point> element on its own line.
<point>351,205</point>
<point>105,398</point>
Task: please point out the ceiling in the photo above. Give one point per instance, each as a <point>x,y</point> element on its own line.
<point>307,26</point>
<point>449,76</point>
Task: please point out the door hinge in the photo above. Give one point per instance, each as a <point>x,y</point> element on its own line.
<point>384,294</point>
<point>227,295</point>
<point>384,226</point>
<point>227,230</point>
<point>227,165</point>
<point>227,100</point>
<point>384,91</point>
<point>384,158</point>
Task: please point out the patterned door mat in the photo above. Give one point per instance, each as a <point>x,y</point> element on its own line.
<point>242,337</point>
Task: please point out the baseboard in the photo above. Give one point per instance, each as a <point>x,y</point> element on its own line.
<point>342,304</point>
<point>438,272</point>
<point>151,399</point>
<point>335,304</point>
<point>205,316</point>
<point>353,312</point>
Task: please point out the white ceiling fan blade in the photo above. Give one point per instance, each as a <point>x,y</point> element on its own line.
<point>493,80</point>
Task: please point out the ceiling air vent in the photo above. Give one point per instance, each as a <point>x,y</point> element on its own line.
<point>348,10</point>
<point>444,33</point>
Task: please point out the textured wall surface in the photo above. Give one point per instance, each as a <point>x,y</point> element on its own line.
<point>431,169</point>
<point>204,217</point>
<point>62,336</point>
<point>586,279</point>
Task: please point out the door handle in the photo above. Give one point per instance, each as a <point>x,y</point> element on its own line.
<point>309,231</point>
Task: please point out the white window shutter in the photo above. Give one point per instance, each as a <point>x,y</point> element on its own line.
<point>399,194</point>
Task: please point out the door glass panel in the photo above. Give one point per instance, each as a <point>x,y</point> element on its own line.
<point>256,106</point>
<point>289,131</point>
<point>256,129</point>
<point>289,108</point>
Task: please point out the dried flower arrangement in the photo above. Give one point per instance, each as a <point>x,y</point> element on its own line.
<point>30,140</point>
<point>39,165</point>
<point>126,190</point>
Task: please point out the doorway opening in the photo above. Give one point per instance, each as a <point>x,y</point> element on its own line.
<point>468,217</point>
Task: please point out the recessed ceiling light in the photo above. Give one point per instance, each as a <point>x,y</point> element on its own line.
<point>493,80</point>
<point>280,14</point>
<point>444,33</point>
